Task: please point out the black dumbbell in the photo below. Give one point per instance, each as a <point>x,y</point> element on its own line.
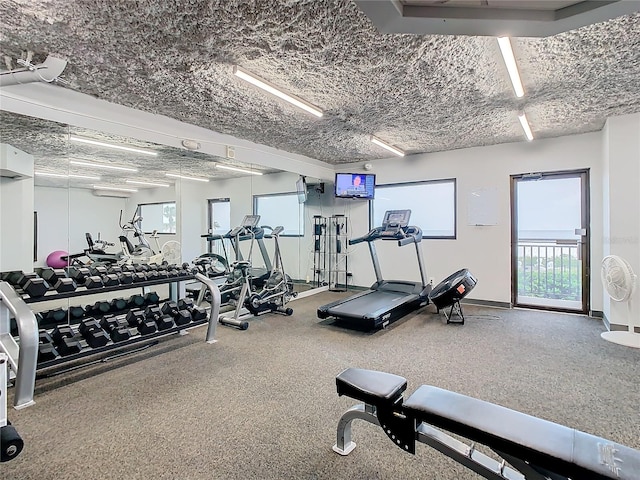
<point>110,279</point>
<point>152,275</point>
<point>117,328</point>
<point>115,269</point>
<point>139,277</point>
<point>128,268</point>
<point>172,273</point>
<point>64,285</point>
<point>76,311</point>
<point>181,317</point>
<point>141,267</point>
<point>125,278</point>
<point>33,285</point>
<point>98,270</point>
<point>151,298</point>
<point>136,318</point>
<point>66,341</point>
<point>46,350</point>
<point>24,277</point>
<point>118,304</point>
<point>164,322</point>
<point>101,307</point>
<point>52,275</point>
<point>94,281</point>
<point>93,333</point>
<point>197,313</point>
<point>79,274</point>
<point>10,276</point>
<point>162,274</point>
<point>136,300</point>
<point>55,315</point>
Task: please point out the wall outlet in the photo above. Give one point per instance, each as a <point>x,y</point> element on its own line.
<point>431,280</point>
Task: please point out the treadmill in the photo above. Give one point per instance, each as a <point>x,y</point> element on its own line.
<point>386,300</point>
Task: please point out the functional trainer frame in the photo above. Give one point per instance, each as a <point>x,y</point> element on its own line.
<point>534,449</point>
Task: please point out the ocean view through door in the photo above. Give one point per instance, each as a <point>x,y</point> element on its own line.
<point>550,241</point>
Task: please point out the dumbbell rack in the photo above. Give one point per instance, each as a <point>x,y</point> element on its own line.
<point>23,355</point>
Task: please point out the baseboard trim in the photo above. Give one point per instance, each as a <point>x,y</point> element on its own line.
<point>486,303</point>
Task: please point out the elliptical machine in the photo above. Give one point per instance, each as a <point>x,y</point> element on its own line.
<point>276,291</point>
<point>143,252</point>
<point>278,288</point>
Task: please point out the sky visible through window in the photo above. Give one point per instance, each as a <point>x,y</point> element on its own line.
<point>549,208</point>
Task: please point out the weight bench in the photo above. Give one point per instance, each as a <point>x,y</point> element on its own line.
<point>534,449</point>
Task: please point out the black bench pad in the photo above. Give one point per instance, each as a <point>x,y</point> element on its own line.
<point>369,386</point>
<point>548,445</point>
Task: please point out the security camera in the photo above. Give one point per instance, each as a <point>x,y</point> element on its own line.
<point>368,166</point>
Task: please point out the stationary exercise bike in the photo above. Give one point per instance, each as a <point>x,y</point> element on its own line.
<point>143,252</point>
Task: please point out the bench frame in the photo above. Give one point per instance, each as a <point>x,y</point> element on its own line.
<point>462,453</point>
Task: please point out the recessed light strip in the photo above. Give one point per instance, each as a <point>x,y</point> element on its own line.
<point>150,184</point>
<point>236,169</point>
<point>393,150</point>
<point>525,126</point>
<point>117,189</point>
<point>63,175</point>
<point>73,138</point>
<point>102,165</point>
<point>512,67</point>
<point>266,86</point>
<point>184,177</point>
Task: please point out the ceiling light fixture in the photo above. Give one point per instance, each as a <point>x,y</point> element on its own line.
<point>151,184</point>
<point>263,84</point>
<point>73,138</point>
<point>184,177</point>
<point>525,126</point>
<point>512,67</point>
<point>236,169</point>
<point>63,175</point>
<point>117,189</point>
<point>102,165</point>
<point>392,149</point>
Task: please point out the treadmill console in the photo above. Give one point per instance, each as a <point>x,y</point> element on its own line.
<point>394,221</point>
<point>250,221</point>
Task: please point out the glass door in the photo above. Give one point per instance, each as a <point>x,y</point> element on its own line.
<point>550,241</point>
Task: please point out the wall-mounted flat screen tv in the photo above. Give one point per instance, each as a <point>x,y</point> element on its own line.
<point>355,185</point>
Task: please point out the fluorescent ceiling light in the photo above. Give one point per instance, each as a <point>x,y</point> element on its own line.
<point>236,169</point>
<point>102,165</point>
<point>151,184</point>
<point>525,126</point>
<point>393,150</point>
<point>263,84</point>
<point>117,189</point>
<point>73,138</point>
<point>63,175</point>
<point>184,177</point>
<point>512,67</point>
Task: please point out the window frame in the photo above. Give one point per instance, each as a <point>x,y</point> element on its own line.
<point>424,182</point>
<point>294,195</point>
<point>139,212</point>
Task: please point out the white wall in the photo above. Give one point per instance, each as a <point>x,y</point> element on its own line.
<point>621,217</point>
<point>65,215</point>
<point>485,250</point>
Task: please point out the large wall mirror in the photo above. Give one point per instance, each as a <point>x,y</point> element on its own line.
<point>86,191</point>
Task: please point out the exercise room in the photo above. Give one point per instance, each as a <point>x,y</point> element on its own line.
<point>328,239</point>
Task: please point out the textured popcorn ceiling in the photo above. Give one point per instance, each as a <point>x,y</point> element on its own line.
<point>419,93</point>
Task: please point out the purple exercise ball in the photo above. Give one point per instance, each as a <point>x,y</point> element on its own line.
<point>54,260</point>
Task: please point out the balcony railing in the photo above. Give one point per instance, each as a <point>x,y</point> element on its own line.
<point>549,269</point>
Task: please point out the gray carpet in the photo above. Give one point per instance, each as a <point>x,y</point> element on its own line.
<point>262,404</point>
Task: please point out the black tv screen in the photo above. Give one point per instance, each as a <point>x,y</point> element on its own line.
<point>355,185</point>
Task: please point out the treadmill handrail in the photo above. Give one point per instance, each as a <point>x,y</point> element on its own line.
<point>404,235</point>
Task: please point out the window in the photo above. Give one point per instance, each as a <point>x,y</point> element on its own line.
<point>432,204</point>
<point>158,216</point>
<point>219,216</point>
<point>281,209</point>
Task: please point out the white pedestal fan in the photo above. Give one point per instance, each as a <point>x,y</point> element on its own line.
<point>620,282</point>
